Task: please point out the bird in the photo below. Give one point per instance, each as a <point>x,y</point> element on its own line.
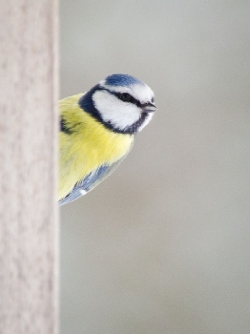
<point>97,131</point>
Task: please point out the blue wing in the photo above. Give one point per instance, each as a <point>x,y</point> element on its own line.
<point>89,182</point>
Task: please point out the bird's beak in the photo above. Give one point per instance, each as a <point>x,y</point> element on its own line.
<point>149,107</point>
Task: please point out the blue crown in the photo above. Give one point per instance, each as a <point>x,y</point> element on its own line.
<point>122,80</point>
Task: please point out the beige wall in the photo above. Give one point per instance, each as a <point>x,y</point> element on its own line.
<point>163,246</point>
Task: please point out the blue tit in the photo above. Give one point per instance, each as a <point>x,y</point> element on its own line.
<point>97,131</point>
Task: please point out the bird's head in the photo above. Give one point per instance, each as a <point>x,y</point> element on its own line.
<point>121,102</point>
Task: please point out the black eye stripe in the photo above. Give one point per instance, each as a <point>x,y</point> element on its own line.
<point>126,97</point>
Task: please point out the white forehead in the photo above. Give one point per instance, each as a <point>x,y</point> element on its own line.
<point>139,91</point>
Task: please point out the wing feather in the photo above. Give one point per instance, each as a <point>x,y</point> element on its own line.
<point>90,182</point>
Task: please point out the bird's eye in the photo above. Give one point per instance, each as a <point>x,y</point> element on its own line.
<point>126,97</point>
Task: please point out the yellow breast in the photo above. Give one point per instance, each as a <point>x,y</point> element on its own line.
<point>88,146</point>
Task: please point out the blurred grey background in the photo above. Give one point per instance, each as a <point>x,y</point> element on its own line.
<point>163,245</point>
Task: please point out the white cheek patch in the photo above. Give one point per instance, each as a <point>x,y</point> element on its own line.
<point>120,114</point>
